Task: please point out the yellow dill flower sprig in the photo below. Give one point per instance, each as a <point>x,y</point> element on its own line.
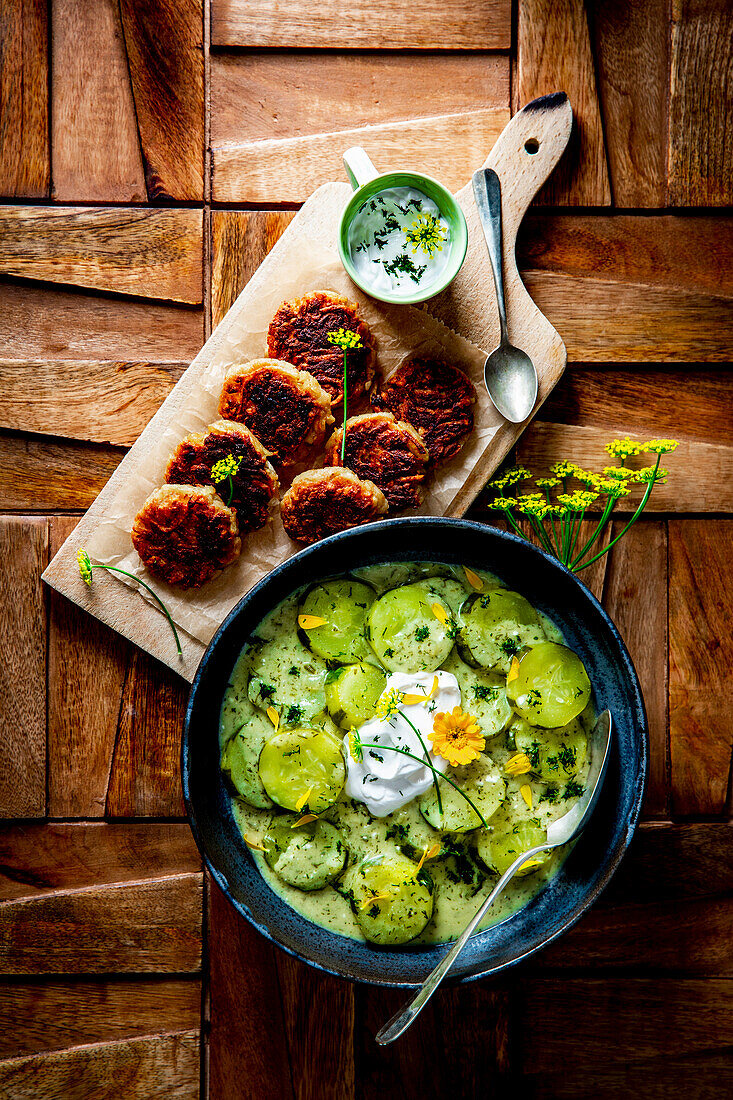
<point>624,448</point>
<point>226,469</point>
<point>426,234</point>
<point>86,565</point>
<point>347,340</point>
<point>661,446</point>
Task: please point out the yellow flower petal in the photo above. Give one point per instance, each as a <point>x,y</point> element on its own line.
<point>412,700</point>
<point>473,579</point>
<point>513,670</point>
<point>304,819</point>
<point>309,622</point>
<point>274,717</point>
<point>303,799</point>
<point>253,842</point>
<point>440,613</point>
<point>518,764</point>
<point>529,863</point>
<point>526,792</point>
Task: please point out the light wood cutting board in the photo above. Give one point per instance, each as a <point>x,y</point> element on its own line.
<point>523,157</point>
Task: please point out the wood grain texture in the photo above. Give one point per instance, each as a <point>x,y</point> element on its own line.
<point>101,402</point>
<point>298,93</point>
<point>554,54</point>
<point>164,41</point>
<point>94,134</point>
<point>54,323</point>
<point>150,253</point>
<point>701,99</point>
<point>145,778</point>
<point>160,1067</point>
<point>288,169</point>
<point>240,242</point>
<point>53,1016</point>
<point>636,599</point>
<point>630,40</point>
<point>483,25</point>
<point>51,476</point>
<point>248,1048</point>
<point>23,557</point>
<point>700,663</point>
<point>25,165</point>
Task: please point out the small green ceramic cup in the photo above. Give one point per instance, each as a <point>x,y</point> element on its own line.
<point>368,183</point>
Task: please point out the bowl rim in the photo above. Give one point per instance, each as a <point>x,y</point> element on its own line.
<point>407,523</point>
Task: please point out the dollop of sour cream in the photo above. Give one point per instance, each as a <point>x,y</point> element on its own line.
<point>394,780</point>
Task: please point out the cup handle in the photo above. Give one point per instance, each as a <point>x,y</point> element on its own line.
<point>359,168</point>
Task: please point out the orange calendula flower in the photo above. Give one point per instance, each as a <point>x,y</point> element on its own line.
<point>473,579</point>
<point>309,622</point>
<point>456,737</point>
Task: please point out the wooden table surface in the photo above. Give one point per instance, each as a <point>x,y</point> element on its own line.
<point>151,151</point>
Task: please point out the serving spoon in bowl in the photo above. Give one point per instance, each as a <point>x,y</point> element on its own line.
<point>509,373</point>
<point>559,832</point>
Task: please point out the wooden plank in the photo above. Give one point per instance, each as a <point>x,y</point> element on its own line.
<point>636,600</point>
<point>248,1051</point>
<point>152,926</point>
<point>25,167</point>
<point>82,728</point>
<point>666,250</point>
<point>45,860</point>
<point>554,55</point>
<point>292,94</point>
<point>603,321</point>
<point>37,1017</point>
<point>312,1003</point>
<point>481,25</point>
<point>23,557</point>
<point>52,477</point>
<point>164,41</point>
<point>631,50</point>
<point>700,663</point>
<point>55,323</point>
<point>160,1067</point>
<point>101,402</point>
<point>701,474</point>
<point>240,242</point>
<point>649,402</point>
<point>150,253</point>
<point>450,147</point>
<point>145,779</point>
<point>701,95</point>
<point>699,1077</point>
<point>94,135</point>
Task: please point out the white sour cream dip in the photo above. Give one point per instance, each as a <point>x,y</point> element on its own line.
<point>394,780</point>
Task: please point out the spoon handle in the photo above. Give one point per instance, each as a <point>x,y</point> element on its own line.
<point>487,192</point>
<point>405,1016</point>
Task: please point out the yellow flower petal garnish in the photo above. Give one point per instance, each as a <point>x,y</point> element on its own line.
<point>473,579</point>
<point>513,670</point>
<point>518,764</point>
<point>433,691</point>
<point>253,842</point>
<point>428,853</point>
<point>457,737</point>
<point>302,801</point>
<point>304,820</point>
<point>526,792</point>
<point>412,700</point>
<point>529,863</point>
<point>309,622</point>
<point>440,613</point>
<point>274,717</point>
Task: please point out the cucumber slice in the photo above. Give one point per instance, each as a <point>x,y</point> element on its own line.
<point>551,687</point>
<point>343,604</point>
<point>412,834</point>
<point>352,693</point>
<point>289,678</point>
<point>239,760</point>
<point>447,589</point>
<point>495,626</point>
<point>483,694</point>
<point>555,755</point>
<point>309,856</point>
<point>391,901</point>
<point>499,847</point>
<point>302,769</point>
<point>484,785</point>
<point>404,631</point>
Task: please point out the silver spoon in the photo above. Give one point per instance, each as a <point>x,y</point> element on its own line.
<point>509,373</point>
<point>559,832</point>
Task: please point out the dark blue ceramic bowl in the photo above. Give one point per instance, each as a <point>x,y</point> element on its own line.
<point>588,630</point>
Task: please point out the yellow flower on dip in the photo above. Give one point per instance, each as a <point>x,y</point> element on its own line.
<point>526,792</point>
<point>456,737</point>
<point>518,764</point>
<point>309,622</point>
<point>389,704</point>
<point>355,750</point>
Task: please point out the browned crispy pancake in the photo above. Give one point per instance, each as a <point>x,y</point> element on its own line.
<point>387,452</point>
<point>322,502</point>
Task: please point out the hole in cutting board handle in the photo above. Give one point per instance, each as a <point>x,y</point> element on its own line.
<point>531,146</point>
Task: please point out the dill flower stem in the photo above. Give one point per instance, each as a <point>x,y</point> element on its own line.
<point>597,533</point>
<point>637,513</point>
<point>343,433</point>
<point>578,525</point>
<point>427,757</point>
<point>516,526</point>
<point>156,597</point>
<point>539,528</point>
<point>553,526</point>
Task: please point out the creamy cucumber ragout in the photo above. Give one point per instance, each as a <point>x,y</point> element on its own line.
<point>394,738</point>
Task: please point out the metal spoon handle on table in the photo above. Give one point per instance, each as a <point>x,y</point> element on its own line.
<point>487,192</point>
